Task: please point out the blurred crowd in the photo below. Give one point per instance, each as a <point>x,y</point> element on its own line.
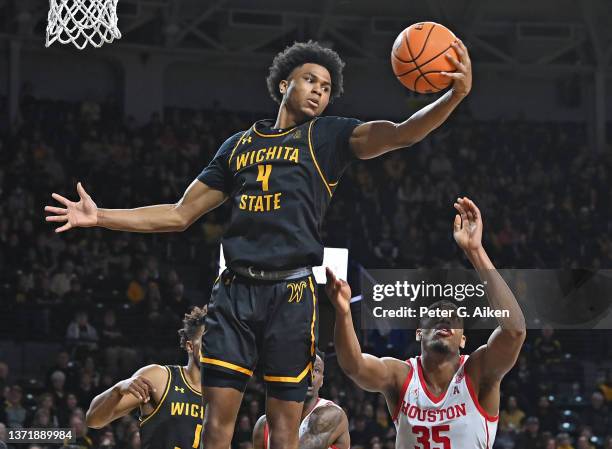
<point>113,301</point>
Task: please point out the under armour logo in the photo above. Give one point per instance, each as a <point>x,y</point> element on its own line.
<point>182,390</point>
<point>297,290</point>
<point>297,134</point>
<point>455,390</point>
<point>246,140</point>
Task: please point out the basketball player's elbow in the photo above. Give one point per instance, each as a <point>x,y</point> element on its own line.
<point>92,421</point>
<point>181,219</point>
<point>406,135</point>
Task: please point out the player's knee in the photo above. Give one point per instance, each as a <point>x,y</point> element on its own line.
<point>217,427</point>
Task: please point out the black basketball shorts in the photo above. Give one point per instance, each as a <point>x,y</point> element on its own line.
<point>273,323</point>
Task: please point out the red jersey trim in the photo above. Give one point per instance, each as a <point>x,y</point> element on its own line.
<point>265,445</point>
<point>476,403</point>
<point>430,395</point>
<point>403,393</point>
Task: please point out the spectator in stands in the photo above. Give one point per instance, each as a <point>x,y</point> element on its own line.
<point>118,356</point>
<point>65,366</point>
<point>77,424</point>
<point>511,416</point>
<point>177,301</point>
<point>137,288</point>
<point>14,410</point>
<point>81,335</point>
<point>42,419</point>
<point>254,410</point>
<point>550,443</point>
<point>564,441</point>
<point>45,402</point>
<point>359,435</point>
<point>58,381</point>
<point>86,390</point>
<point>583,443</point>
<point>548,415</point>
<point>605,386</point>
<point>243,433</point>
<point>133,441</point>
<point>67,408</point>
<point>597,415</point>
<point>546,349</point>
<point>60,282</point>
<point>107,439</point>
<point>530,437</point>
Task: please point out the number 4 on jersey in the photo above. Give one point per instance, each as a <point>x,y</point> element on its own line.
<point>424,437</point>
<point>263,175</point>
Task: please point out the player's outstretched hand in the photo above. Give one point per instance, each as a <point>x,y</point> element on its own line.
<point>138,386</point>
<point>467,228</point>
<point>462,78</point>
<point>338,291</point>
<point>82,214</point>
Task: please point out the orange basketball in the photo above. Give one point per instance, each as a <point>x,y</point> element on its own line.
<point>418,57</point>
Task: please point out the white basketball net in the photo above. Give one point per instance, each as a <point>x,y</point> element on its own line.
<point>82,22</point>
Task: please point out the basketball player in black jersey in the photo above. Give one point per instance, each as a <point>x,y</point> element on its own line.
<point>279,176</point>
<point>169,397</point>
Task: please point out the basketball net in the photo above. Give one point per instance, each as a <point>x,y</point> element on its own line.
<point>82,22</point>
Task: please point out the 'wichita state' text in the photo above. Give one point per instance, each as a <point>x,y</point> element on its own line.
<point>267,201</point>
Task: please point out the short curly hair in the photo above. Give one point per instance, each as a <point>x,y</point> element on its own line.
<point>301,53</point>
<point>191,324</point>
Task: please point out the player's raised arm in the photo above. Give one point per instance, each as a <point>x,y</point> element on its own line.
<point>500,353</point>
<point>146,385</point>
<point>196,201</point>
<point>369,372</point>
<point>371,139</point>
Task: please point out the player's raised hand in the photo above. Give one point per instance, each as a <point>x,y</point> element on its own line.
<point>467,228</point>
<point>462,78</point>
<point>338,291</point>
<point>82,214</point>
<point>138,386</point>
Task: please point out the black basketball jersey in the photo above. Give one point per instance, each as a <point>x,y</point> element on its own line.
<point>280,183</point>
<point>176,422</point>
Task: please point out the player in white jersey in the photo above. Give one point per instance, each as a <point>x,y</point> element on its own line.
<point>441,399</point>
<point>324,424</point>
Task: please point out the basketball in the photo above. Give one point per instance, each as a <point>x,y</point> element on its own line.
<point>418,57</point>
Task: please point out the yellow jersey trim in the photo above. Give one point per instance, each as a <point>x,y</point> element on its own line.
<point>314,317</point>
<point>272,135</point>
<point>236,146</point>
<point>227,365</point>
<point>161,401</point>
<point>182,371</point>
<point>308,368</point>
<point>296,379</point>
<point>314,159</point>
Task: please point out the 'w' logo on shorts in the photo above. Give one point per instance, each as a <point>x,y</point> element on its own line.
<point>297,290</point>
